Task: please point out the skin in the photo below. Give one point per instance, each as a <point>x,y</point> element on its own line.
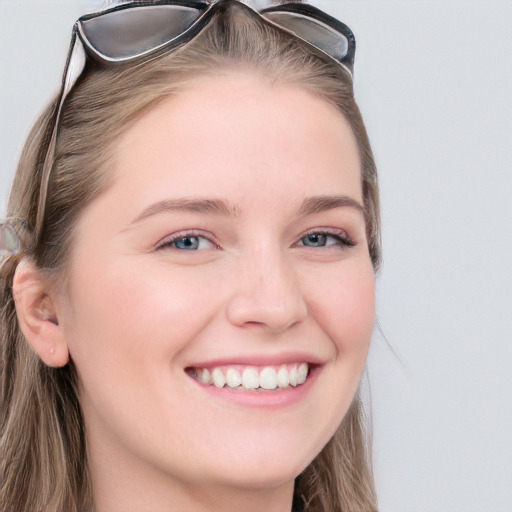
<point>137,313</point>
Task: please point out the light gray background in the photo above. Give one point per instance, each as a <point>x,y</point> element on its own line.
<point>434,81</point>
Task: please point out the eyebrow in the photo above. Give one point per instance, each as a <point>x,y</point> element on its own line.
<point>309,206</point>
<point>319,204</point>
<point>212,206</point>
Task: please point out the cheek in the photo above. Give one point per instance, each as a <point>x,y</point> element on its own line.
<point>345,307</point>
<point>131,314</point>
<point>129,328</point>
<point>129,294</point>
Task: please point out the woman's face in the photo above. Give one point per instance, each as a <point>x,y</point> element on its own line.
<point>231,244</point>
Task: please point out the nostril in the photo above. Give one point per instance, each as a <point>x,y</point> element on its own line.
<point>249,312</point>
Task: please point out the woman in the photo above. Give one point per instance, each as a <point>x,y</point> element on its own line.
<point>190,317</point>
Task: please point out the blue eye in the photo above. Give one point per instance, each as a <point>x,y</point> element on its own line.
<point>315,240</point>
<point>187,242</point>
<point>319,239</point>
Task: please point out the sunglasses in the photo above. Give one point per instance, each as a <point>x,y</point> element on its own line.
<point>147,29</point>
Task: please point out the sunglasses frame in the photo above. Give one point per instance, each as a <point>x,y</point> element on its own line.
<point>81,49</point>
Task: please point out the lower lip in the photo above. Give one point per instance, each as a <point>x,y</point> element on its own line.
<point>270,399</point>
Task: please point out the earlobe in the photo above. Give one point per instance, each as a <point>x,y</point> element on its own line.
<point>37,315</point>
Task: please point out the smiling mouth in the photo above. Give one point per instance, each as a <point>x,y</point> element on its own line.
<point>252,378</point>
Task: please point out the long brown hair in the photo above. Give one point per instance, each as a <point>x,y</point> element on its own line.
<point>43,464</point>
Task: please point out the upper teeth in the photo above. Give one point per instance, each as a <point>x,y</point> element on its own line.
<point>268,377</point>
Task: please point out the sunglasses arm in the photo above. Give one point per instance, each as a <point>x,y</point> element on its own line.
<point>75,65</point>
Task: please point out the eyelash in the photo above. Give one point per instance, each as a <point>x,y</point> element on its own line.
<point>167,243</point>
<point>340,237</point>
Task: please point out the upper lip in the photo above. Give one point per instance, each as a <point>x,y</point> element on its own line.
<point>259,360</point>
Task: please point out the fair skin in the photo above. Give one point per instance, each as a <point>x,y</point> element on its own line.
<point>232,238</point>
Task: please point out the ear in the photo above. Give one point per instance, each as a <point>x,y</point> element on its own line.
<point>37,315</point>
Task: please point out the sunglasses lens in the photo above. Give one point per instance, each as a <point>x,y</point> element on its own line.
<point>10,243</point>
<point>315,32</point>
<point>129,33</point>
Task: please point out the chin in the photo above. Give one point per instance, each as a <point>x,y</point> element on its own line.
<point>263,465</point>
<point>268,475</point>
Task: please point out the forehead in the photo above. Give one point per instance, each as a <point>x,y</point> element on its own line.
<point>233,131</point>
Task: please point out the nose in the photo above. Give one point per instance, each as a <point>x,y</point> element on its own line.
<point>267,294</point>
